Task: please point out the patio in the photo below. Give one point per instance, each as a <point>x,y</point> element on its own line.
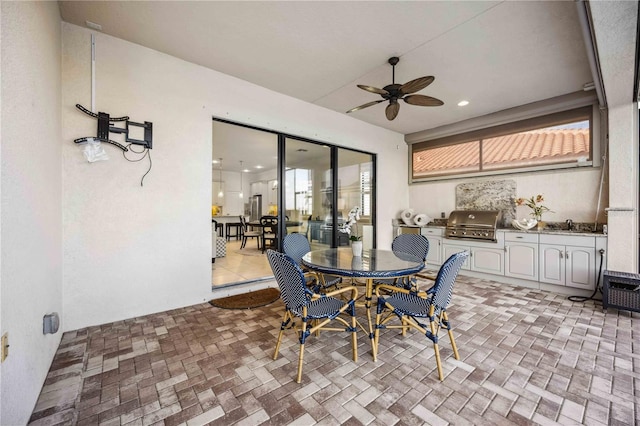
<point>527,357</point>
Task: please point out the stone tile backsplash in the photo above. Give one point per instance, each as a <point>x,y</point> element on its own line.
<point>489,195</point>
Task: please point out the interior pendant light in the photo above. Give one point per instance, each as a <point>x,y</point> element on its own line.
<point>241,195</point>
<point>220,194</point>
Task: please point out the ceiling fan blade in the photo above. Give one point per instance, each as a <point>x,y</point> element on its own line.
<point>392,110</point>
<point>368,104</point>
<point>422,100</point>
<point>416,85</point>
<point>373,89</point>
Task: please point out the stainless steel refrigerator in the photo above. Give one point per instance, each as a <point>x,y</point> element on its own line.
<point>255,204</point>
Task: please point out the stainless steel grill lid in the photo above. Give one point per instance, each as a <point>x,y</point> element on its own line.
<point>473,224</point>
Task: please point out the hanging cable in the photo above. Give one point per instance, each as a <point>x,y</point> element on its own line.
<point>145,153</point>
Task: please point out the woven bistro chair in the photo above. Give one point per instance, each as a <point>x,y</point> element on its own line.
<point>296,246</point>
<point>410,306</point>
<point>246,233</point>
<point>412,244</point>
<point>315,310</point>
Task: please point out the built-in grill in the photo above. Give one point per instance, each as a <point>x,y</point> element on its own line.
<point>478,225</point>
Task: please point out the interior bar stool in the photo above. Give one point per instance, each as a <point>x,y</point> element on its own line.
<point>237,230</point>
<point>218,227</point>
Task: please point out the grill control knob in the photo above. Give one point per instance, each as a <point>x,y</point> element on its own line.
<point>464,232</point>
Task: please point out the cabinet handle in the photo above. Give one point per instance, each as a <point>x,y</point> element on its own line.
<point>566,254</point>
<point>561,254</point>
<point>519,236</point>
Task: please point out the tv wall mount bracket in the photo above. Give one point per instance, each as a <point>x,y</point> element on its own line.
<point>105,126</point>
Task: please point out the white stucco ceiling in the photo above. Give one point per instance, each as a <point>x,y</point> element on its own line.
<point>496,55</point>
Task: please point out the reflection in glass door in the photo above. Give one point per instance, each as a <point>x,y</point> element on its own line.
<point>308,192</point>
<point>355,189</point>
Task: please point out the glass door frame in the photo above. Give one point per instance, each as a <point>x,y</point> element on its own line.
<point>281,175</point>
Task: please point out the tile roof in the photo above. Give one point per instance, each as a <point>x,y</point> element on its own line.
<point>532,147</point>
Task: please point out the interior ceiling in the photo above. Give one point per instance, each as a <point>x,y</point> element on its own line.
<point>496,55</point>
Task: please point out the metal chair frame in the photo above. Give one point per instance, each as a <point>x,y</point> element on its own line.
<point>315,310</point>
<point>269,231</point>
<point>409,306</point>
<point>249,234</point>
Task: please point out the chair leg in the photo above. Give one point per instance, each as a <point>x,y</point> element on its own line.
<point>354,334</point>
<point>285,319</point>
<point>437,351</point>
<point>445,318</point>
<point>303,337</point>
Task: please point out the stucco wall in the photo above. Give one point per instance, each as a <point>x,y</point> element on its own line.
<point>131,250</point>
<point>571,194</point>
<point>31,216</point>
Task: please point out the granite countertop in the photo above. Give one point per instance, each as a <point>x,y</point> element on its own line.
<point>550,231</point>
<point>554,232</point>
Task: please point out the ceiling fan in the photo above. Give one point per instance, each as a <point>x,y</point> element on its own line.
<point>394,92</point>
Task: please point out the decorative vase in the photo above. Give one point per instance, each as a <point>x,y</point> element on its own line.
<point>356,248</point>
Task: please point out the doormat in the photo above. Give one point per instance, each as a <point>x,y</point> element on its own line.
<point>253,299</point>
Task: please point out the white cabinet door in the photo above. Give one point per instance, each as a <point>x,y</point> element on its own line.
<point>490,261</point>
<point>568,265</point>
<point>434,256</point>
<point>521,261</point>
<point>552,264</point>
<point>580,268</point>
<point>434,236</point>
<point>448,250</point>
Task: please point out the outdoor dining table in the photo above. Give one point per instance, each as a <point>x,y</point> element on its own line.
<point>373,264</point>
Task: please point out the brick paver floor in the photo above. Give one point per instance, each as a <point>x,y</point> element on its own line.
<point>527,357</point>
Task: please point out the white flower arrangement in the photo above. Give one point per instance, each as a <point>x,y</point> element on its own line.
<point>352,219</point>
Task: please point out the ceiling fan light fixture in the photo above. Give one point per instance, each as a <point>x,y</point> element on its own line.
<point>394,92</point>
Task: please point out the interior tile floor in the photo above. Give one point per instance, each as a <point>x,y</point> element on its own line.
<point>527,357</point>
<point>242,265</point>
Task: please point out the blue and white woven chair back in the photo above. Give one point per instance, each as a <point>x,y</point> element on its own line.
<point>290,280</point>
<point>413,244</point>
<point>296,246</point>
<point>445,280</point>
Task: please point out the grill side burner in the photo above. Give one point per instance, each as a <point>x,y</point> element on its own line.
<point>479,225</point>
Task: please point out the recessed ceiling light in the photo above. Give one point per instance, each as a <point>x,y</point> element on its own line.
<point>463,103</point>
<point>215,162</point>
<point>246,170</point>
<point>259,167</point>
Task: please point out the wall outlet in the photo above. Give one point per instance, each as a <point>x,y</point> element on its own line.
<point>4,347</point>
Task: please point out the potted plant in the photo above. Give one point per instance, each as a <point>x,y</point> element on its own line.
<point>535,204</point>
<point>356,240</point>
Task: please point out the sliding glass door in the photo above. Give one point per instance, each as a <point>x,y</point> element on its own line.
<point>310,186</point>
<point>308,191</point>
<point>355,172</point>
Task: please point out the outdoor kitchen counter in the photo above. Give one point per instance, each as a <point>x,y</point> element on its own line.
<point>535,231</point>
